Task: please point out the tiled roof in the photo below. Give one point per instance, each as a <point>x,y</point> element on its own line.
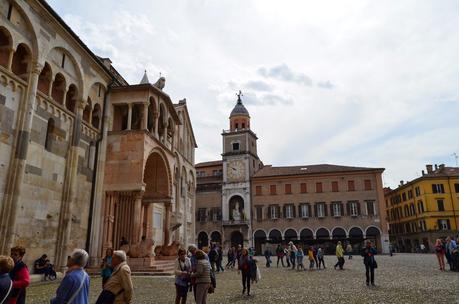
<point>445,171</point>
<point>309,169</point>
<point>209,163</point>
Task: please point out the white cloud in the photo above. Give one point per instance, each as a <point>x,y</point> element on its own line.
<point>363,83</point>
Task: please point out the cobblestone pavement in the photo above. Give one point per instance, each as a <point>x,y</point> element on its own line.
<point>403,278</point>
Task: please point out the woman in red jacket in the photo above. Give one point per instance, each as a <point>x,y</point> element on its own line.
<point>19,275</point>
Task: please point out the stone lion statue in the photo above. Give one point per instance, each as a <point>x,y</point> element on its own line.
<point>169,250</point>
<point>141,250</point>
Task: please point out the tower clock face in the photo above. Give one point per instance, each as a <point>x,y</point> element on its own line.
<point>235,170</point>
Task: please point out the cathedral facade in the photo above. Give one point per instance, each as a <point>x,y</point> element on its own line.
<point>239,200</point>
<point>86,158</point>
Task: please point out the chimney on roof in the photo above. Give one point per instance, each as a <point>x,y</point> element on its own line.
<point>429,169</point>
<point>401,183</point>
<point>423,173</point>
<point>436,167</point>
<point>441,167</point>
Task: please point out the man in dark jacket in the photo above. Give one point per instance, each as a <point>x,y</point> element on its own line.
<point>368,254</point>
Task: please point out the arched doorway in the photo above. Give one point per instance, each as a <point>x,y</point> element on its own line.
<point>203,240</point>
<point>323,238</point>
<point>374,235</point>
<point>216,237</point>
<point>306,236</point>
<point>260,238</point>
<point>275,236</point>
<point>237,238</point>
<point>290,235</point>
<point>338,234</point>
<point>236,208</point>
<point>356,237</point>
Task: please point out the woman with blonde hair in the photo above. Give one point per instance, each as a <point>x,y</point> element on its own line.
<point>440,253</point>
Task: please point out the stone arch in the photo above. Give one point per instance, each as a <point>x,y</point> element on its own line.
<point>6,45</point>
<point>71,98</point>
<point>203,239</point>
<point>259,238</point>
<point>237,238</point>
<point>306,234</point>
<point>372,231</point>
<point>22,59</point>
<point>235,205</point>
<point>58,88</point>
<point>275,236</point>
<point>45,79</point>
<point>216,237</point>
<point>96,116</point>
<point>339,233</point>
<point>290,234</point>
<point>355,232</point>
<point>66,63</point>
<point>157,177</point>
<point>322,233</point>
<point>27,26</point>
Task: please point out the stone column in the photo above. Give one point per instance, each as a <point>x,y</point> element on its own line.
<point>96,242</point>
<point>156,116</point>
<point>137,218</point>
<point>167,223</point>
<point>10,59</point>
<point>129,116</point>
<point>16,170</point>
<point>145,116</point>
<point>69,192</point>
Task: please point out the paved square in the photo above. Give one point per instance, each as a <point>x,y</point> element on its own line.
<point>403,278</point>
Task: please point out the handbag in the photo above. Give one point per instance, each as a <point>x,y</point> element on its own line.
<point>107,297</point>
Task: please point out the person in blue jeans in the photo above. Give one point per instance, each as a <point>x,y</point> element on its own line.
<point>74,288</point>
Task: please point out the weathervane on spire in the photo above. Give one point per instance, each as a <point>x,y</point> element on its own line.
<point>239,96</point>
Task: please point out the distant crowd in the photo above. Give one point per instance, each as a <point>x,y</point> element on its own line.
<point>195,270</point>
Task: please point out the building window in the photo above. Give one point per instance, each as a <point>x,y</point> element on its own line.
<point>371,208</point>
<point>353,208</point>
<point>420,207</point>
<point>320,209</point>
<point>258,190</point>
<point>443,225</point>
<point>272,189</point>
<point>441,205</point>
<point>288,189</point>
<point>289,211</point>
<point>335,186</point>
<point>318,187</point>
<point>438,188</point>
<point>49,134</point>
<point>236,146</point>
<point>304,210</point>
<point>404,196</point>
<point>417,190</point>
<point>456,188</point>
<point>410,194</point>
<point>367,185</point>
<point>335,209</point>
<point>273,212</point>
<point>350,185</point>
<point>215,214</point>
<point>259,213</point>
<point>304,188</point>
<point>201,215</point>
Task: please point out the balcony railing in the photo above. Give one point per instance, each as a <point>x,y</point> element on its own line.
<point>236,223</point>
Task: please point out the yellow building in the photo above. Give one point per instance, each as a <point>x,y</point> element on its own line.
<point>424,209</point>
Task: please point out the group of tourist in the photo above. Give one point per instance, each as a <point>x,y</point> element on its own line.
<point>447,248</point>
<point>74,287</point>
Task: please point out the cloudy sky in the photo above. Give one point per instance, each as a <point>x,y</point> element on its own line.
<point>364,83</point>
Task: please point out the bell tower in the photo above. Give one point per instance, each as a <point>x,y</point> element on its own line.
<point>240,162</point>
